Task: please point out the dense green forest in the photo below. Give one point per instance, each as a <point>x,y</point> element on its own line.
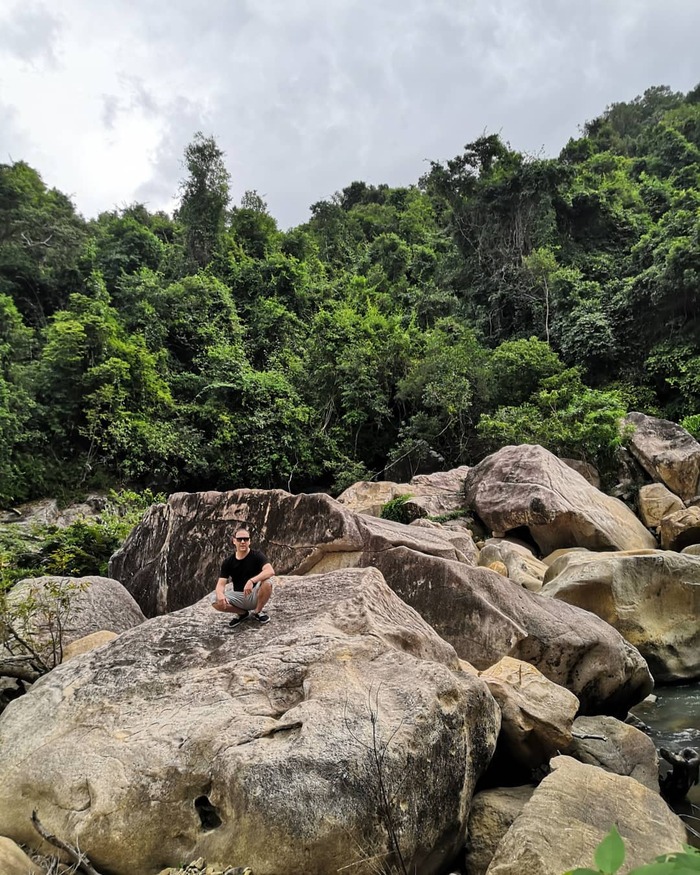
<point>503,298</point>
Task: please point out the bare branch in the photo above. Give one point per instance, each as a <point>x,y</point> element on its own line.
<point>30,242</point>
<point>75,854</point>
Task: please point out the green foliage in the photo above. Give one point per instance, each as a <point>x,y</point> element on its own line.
<point>610,855</point>
<point>533,297</point>
<point>80,549</point>
<point>519,367</point>
<point>396,510</point>
<point>33,617</point>
<point>565,417</point>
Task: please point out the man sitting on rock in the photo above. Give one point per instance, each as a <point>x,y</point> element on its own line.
<point>250,573</point>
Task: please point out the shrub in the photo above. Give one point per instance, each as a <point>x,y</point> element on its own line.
<point>396,509</point>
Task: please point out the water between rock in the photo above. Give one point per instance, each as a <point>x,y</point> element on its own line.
<point>674,721</point>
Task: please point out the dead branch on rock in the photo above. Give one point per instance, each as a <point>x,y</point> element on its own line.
<point>76,855</point>
<point>378,749</point>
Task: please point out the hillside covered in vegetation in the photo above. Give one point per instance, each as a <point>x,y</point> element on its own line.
<point>502,299</point>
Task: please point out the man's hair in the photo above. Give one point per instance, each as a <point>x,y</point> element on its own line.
<point>240,529</point>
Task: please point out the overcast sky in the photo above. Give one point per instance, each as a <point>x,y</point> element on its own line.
<point>305,96</point>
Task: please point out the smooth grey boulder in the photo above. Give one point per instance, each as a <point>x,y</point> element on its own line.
<point>616,747</point>
<point>64,610</point>
<point>173,557</point>
<point>258,745</point>
<point>370,496</point>
<point>96,604</point>
<point>581,803</point>
<point>652,599</point>
<point>527,486</point>
<point>666,451</point>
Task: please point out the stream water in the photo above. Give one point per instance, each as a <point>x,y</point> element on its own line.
<point>674,721</point>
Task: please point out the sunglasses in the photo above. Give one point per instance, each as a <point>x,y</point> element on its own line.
<point>242,539</point>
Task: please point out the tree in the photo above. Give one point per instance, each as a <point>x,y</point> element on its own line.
<point>204,199</point>
<point>42,243</point>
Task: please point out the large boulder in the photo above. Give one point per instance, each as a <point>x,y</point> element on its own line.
<point>616,747</point>
<point>570,813</point>
<point>666,452</point>
<point>173,557</point>
<point>430,494</point>
<point>370,496</point>
<point>537,714</point>
<point>63,610</point>
<point>655,502</point>
<point>437,494</point>
<point>680,529</point>
<point>95,603</point>
<point>267,746</point>
<point>527,486</point>
<point>652,599</point>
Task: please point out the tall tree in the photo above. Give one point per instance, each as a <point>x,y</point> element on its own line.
<point>204,198</point>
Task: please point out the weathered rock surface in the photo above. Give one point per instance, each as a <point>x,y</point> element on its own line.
<point>522,567</point>
<point>255,745</point>
<point>616,747</point>
<point>490,816</point>
<point>459,536</point>
<point>589,472</point>
<point>430,494</point>
<point>652,599</point>
<point>369,496</point>
<point>528,486</point>
<point>537,715</point>
<point>13,860</point>
<point>46,512</point>
<point>655,502</point>
<point>680,529</point>
<point>173,557</point>
<point>582,802</point>
<point>666,452</point>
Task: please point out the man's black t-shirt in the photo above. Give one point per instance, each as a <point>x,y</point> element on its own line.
<point>241,570</point>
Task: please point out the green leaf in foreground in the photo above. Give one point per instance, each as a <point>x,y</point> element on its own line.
<point>610,853</point>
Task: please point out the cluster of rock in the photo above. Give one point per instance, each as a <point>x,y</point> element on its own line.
<point>420,700</point>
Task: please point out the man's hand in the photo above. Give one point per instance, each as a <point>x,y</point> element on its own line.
<point>248,588</point>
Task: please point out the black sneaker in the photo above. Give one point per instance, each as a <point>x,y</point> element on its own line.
<point>239,618</point>
<point>260,617</point>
